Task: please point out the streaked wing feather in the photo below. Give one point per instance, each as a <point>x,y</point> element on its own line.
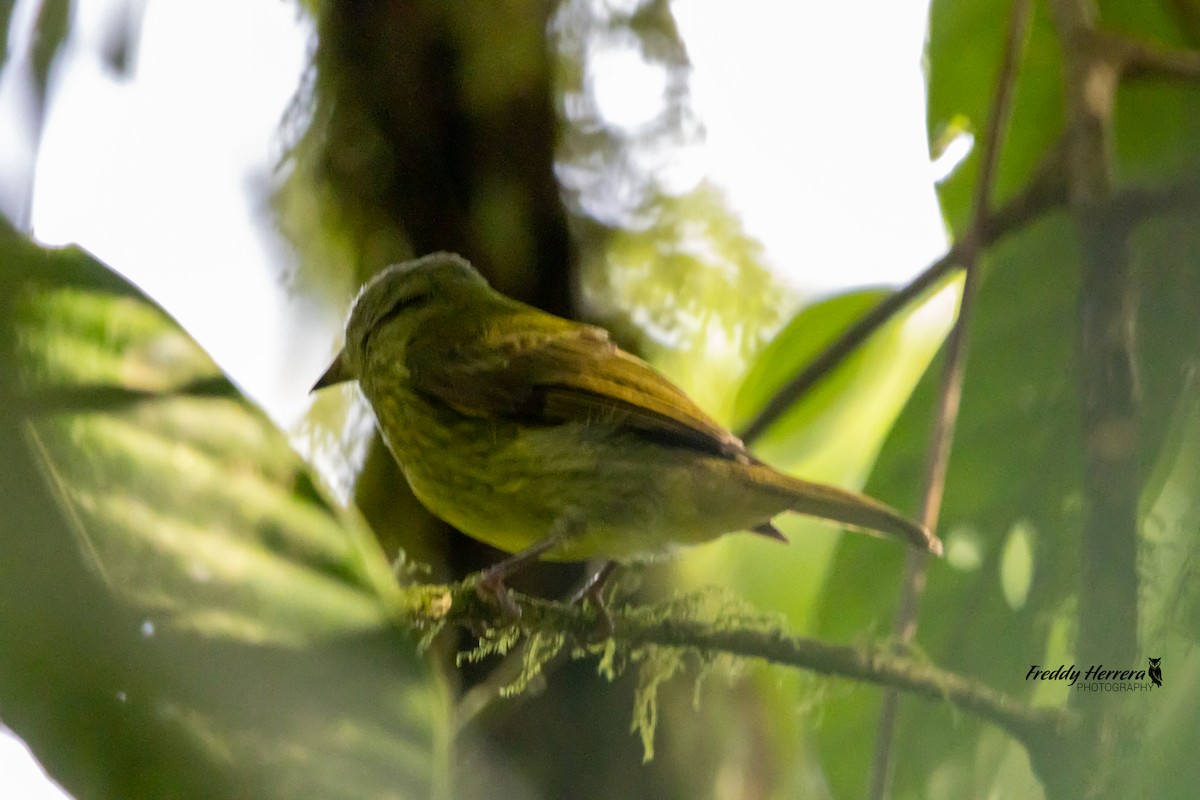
<point>554,371</point>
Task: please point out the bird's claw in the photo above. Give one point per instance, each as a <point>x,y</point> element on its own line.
<point>604,623</point>
<point>491,589</point>
<point>592,593</point>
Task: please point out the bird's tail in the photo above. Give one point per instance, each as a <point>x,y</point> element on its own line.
<point>855,511</point>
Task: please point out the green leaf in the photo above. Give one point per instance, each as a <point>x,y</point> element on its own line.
<point>857,403</point>
<point>1017,458</point>
<point>1170,609</point>
<point>963,51</point>
<point>185,614</point>
<point>1171,512</point>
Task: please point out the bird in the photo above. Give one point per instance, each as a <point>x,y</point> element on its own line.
<point>540,436</point>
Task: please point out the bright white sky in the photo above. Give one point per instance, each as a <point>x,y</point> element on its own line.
<point>814,120</point>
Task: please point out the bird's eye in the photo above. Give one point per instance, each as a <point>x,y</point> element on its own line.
<point>399,307</point>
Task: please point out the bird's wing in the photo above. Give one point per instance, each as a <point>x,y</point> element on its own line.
<point>540,369</point>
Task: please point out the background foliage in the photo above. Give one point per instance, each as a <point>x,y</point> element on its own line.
<point>183,611</point>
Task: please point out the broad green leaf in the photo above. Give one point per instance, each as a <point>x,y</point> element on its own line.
<point>1017,453</point>
<point>1015,458</point>
<point>806,427</point>
<point>1170,610</point>
<point>1171,514</point>
<point>836,430</point>
<point>963,53</point>
<point>184,613</point>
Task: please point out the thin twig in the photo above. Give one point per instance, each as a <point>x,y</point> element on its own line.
<point>950,396</point>
<point>1133,204</point>
<point>1143,61</point>
<point>844,345</point>
<point>1045,192</point>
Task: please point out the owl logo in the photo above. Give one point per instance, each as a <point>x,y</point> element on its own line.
<point>1155,671</point>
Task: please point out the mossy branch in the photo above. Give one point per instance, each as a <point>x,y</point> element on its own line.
<point>876,663</point>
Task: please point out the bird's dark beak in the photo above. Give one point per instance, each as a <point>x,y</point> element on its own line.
<point>337,373</point>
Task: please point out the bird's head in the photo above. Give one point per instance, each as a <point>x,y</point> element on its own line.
<point>395,302</point>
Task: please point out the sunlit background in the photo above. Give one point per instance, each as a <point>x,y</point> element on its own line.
<point>164,168</point>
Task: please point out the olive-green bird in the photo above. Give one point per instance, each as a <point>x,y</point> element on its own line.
<point>541,437</point>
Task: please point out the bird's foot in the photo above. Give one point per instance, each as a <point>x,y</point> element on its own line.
<point>591,593</point>
<point>491,589</point>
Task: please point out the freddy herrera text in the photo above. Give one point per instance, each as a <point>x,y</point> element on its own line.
<point>1095,677</point>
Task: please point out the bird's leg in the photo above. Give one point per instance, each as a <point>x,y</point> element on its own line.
<point>491,581</point>
<point>595,582</point>
<point>590,592</point>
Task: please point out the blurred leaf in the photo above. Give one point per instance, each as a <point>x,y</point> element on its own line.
<point>6,14</point>
<point>963,51</point>
<point>1170,609</point>
<point>804,338</point>
<point>1170,566</point>
<point>49,35</point>
<point>185,614</point>
<point>122,36</point>
<point>836,430</point>
<point>614,174</point>
<point>690,280</point>
<point>1016,459</point>
<point>1166,750</point>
